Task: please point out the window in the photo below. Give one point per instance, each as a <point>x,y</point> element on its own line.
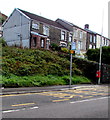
<point>70,37</point>
<point>81,35</point>
<point>47,43</point>
<point>90,46</point>
<point>42,43</point>
<point>35,25</point>
<point>79,45</point>
<point>94,47</point>
<point>94,40</point>
<point>75,33</point>
<point>34,42</point>
<point>46,30</point>
<point>106,42</point>
<point>102,41</point>
<point>90,38</point>
<point>63,36</point>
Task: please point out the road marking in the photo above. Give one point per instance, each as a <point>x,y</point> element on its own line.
<point>8,111</point>
<point>23,104</point>
<point>59,100</point>
<point>89,100</point>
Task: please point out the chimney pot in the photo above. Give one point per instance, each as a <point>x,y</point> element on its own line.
<point>86,26</point>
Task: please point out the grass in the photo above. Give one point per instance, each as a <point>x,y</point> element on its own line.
<point>40,80</point>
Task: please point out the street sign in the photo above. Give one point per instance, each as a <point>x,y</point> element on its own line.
<point>72,51</point>
<point>73,46</point>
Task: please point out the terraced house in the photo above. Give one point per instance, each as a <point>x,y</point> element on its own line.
<point>76,34</point>
<point>3,17</point>
<point>32,31</point>
<point>29,30</point>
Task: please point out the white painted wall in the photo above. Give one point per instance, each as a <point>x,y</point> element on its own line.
<point>17,25</point>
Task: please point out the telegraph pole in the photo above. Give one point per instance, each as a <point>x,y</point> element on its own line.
<point>100,59</point>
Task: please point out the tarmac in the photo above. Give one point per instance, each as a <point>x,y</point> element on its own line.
<point>21,90</point>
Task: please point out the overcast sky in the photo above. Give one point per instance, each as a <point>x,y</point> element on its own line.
<point>79,12</point>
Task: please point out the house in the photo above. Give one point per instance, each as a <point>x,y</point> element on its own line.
<point>94,40</point>
<point>0,29</point>
<point>101,39</point>
<point>3,17</point>
<point>76,34</point>
<point>28,30</point>
<point>90,38</point>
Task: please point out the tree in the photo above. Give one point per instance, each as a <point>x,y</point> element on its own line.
<point>93,54</point>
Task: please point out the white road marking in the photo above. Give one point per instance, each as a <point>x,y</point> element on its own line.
<point>89,100</point>
<point>7,111</point>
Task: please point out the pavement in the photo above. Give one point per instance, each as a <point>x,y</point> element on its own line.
<point>7,91</point>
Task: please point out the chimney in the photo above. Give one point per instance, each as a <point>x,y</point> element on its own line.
<point>86,26</point>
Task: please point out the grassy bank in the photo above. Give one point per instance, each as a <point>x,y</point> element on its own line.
<point>33,67</point>
<point>39,80</point>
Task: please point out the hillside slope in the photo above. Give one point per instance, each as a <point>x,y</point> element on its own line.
<point>25,64</point>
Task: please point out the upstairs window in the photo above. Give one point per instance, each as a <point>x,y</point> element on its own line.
<point>35,25</point>
<point>63,35</point>
<point>90,38</point>
<point>75,33</point>
<point>46,30</point>
<point>81,35</point>
<point>94,39</point>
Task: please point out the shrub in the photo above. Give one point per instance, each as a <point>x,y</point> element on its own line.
<point>64,50</point>
<point>55,47</point>
<point>3,42</point>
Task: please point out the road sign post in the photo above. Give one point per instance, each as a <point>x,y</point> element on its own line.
<point>73,47</point>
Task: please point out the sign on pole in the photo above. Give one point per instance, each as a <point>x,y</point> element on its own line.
<point>73,45</point>
<point>73,48</point>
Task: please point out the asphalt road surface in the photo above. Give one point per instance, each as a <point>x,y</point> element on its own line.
<point>68,103</point>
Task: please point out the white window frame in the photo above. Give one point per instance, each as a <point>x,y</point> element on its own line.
<point>46,30</point>
<point>81,34</point>
<point>79,45</point>
<point>90,46</point>
<point>42,43</point>
<point>94,47</point>
<point>75,33</point>
<point>70,37</point>
<point>91,38</point>
<point>35,25</point>
<point>63,35</point>
<point>94,39</point>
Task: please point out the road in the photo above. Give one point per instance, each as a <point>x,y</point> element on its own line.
<point>68,103</point>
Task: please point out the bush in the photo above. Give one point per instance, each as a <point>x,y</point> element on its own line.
<point>55,47</point>
<point>93,54</point>
<point>3,42</point>
<point>64,50</point>
<point>24,62</point>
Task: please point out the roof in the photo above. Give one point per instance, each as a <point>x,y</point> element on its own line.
<point>42,19</point>
<point>3,15</point>
<point>90,31</point>
<point>71,24</point>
